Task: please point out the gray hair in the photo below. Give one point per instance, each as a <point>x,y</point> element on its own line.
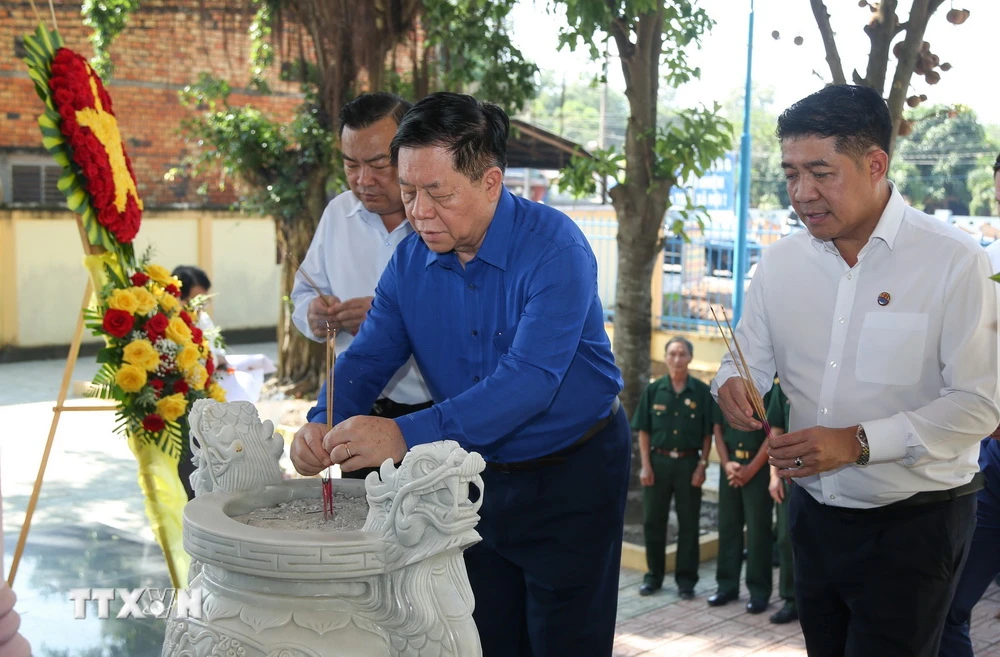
<point>684,341</point>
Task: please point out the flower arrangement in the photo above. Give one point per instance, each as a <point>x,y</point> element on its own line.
<point>157,361</point>
<point>80,130</point>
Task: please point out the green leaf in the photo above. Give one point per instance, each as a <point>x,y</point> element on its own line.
<point>109,355</point>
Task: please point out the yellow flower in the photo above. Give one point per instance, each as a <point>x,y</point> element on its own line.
<point>162,276</point>
<point>187,357</point>
<point>123,300</point>
<point>130,378</point>
<point>217,393</point>
<point>196,377</point>
<point>178,331</point>
<point>172,407</point>
<point>144,299</point>
<point>169,302</point>
<point>142,353</point>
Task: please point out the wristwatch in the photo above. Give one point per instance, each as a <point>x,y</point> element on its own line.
<point>863,439</point>
<point>703,462</point>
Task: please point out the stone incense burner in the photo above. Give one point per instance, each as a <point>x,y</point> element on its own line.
<point>398,587</point>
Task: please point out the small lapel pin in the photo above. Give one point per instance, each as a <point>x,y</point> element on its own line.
<point>883,299</point>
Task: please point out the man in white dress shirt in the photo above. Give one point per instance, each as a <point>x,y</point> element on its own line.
<point>356,236</point>
<point>882,323</point>
<point>983,563</point>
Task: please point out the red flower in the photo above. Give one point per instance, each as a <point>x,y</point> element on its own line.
<point>153,423</point>
<point>184,315</point>
<point>139,279</point>
<point>181,386</point>
<point>173,289</point>
<point>156,384</point>
<point>156,326</point>
<point>73,83</point>
<point>197,334</point>
<point>117,323</point>
<point>210,365</point>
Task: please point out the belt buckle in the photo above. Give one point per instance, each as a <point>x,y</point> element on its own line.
<point>674,454</point>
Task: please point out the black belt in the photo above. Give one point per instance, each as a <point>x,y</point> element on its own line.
<point>558,457</point>
<point>926,497</point>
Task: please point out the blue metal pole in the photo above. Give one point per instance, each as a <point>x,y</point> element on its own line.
<point>740,250</point>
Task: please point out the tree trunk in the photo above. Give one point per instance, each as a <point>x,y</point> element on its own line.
<point>300,360</point>
<point>633,299</point>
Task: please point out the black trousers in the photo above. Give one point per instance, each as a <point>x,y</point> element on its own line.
<point>387,408</point>
<point>545,575</point>
<point>877,582</point>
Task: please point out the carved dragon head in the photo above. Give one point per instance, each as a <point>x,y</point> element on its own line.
<point>424,506</point>
<point>231,448</point>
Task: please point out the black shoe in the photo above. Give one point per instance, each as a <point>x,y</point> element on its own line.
<point>648,589</point>
<point>786,614</point>
<point>756,605</point>
<point>686,594</point>
<point>720,599</point>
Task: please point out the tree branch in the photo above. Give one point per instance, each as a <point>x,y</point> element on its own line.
<point>880,31</point>
<point>829,41</point>
<point>920,13</point>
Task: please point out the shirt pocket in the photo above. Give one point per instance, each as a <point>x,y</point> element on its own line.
<point>891,348</point>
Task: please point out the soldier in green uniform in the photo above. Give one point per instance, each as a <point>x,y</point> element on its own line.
<point>674,421</point>
<point>743,499</point>
<point>778,413</point>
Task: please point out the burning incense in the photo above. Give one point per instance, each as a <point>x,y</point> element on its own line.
<point>331,362</point>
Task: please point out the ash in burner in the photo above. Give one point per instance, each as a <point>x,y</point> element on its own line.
<point>349,514</point>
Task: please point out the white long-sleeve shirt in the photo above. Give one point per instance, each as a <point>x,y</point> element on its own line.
<point>350,249</point>
<point>920,372</point>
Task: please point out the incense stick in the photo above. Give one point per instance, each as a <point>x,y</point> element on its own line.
<point>331,359</point>
<point>745,374</point>
<point>305,275</point>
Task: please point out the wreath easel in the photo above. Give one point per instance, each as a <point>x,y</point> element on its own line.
<point>100,188</point>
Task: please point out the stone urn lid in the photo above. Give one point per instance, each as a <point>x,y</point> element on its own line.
<point>214,537</point>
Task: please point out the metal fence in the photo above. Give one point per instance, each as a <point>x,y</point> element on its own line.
<point>697,273</point>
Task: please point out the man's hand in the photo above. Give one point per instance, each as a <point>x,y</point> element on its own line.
<point>777,487</point>
<point>820,448</point>
<point>698,476</point>
<point>646,476</point>
<point>364,441</point>
<point>734,473</point>
<point>352,312</point>
<point>322,315</point>
<point>307,452</point>
<point>736,406</point>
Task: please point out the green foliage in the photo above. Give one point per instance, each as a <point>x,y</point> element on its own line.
<point>273,158</point>
<point>982,190</point>
<point>475,51</point>
<point>108,19</point>
<point>571,108</point>
<point>934,161</point>
<point>591,21</point>
<point>767,181</point>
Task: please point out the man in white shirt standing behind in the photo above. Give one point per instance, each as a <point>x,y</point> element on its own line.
<point>882,324</point>
<point>356,236</point>
<point>983,563</point>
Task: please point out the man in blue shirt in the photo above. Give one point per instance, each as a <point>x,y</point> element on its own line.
<point>496,298</point>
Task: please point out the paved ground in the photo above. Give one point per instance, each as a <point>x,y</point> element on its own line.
<point>90,531</point>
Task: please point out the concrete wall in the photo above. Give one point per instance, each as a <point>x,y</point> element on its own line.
<point>42,277</point>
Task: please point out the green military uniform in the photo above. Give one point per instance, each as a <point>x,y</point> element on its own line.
<point>779,411</point>
<point>751,505</point>
<point>677,425</point>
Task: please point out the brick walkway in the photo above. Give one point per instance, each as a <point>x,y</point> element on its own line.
<point>664,625</point>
